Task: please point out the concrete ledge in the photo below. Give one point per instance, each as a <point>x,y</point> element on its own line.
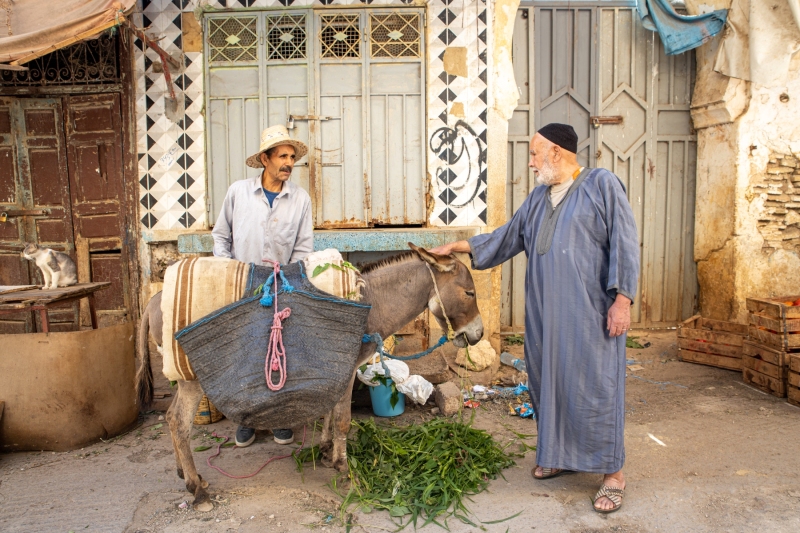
<point>351,240</point>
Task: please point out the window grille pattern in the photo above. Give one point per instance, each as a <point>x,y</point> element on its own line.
<point>395,35</point>
<point>86,62</point>
<point>340,36</point>
<point>233,39</point>
<point>286,37</point>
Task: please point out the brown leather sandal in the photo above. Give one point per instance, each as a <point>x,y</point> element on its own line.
<point>612,493</point>
<point>547,473</point>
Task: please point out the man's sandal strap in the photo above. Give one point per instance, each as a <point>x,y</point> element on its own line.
<point>612,493</point>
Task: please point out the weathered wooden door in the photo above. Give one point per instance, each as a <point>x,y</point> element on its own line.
<point>34,192</point>
<point>61,185</point>
<point>586,65</point>
<point>94,141</point>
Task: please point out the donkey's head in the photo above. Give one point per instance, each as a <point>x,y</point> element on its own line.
<point>457,291</point>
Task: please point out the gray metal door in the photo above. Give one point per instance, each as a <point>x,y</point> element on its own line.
<point>349,83</point>
<point>592,64</point>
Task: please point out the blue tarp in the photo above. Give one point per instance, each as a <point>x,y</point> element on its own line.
<point>679,33</point>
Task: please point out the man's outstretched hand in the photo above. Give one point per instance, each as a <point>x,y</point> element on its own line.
<point>449,248</point>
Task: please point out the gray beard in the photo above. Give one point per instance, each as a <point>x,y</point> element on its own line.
<point>546,177</point>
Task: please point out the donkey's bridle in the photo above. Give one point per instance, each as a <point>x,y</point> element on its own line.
<point>450,332</point>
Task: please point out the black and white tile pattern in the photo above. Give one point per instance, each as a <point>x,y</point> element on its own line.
<point>172,154</point>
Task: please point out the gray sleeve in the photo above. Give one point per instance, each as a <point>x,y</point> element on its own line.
<point>304,244</point>
<point>222,232</point>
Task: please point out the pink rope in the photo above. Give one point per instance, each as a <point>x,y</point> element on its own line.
<point>224,473</point>
<point>276,353</point>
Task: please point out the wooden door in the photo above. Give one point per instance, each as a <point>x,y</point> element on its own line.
<point>94,155</point>
<point>34,192</point>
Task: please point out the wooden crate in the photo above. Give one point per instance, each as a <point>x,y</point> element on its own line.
<point>793,381</point>
<point>711,342</point>
<point>765,368</point>
<point>774,323</point>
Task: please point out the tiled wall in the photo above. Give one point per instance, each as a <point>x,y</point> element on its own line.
<point>172,157</point>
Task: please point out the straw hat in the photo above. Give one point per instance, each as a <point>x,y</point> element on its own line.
<point>276,136</point>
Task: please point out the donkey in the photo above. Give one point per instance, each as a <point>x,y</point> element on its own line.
<point>399,289</point>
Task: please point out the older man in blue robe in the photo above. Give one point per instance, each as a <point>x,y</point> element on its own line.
<point>578,232</point>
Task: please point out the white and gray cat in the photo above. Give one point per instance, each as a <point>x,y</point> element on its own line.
<point>58,269</point>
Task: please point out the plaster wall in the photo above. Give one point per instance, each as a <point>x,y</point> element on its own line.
<point>747,219</point>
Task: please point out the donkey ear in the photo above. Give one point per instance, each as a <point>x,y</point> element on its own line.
<point>442,263</point>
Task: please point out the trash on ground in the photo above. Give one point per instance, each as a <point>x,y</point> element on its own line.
<point>635,368</point>
<point>183,505</point>
<point>525,411</point>
<point>656,440</point>
<point>472,404</point>
<point>509,360</point>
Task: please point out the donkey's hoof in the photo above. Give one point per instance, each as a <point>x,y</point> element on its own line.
<point>325,448</point>
<point>340,465</point>
<point>326,461</point>
<point>203,507</point>
<point>202,503</point>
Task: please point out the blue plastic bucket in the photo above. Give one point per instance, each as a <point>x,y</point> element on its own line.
<point>381,404</point>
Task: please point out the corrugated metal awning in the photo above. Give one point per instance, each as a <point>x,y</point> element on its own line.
<point>33,28</point>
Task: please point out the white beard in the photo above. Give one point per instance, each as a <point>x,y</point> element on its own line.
<point>547,175</point>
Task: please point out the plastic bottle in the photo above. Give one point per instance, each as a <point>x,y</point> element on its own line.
<point>508,359</point>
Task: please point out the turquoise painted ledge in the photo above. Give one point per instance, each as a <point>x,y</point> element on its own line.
<point>352,240</point>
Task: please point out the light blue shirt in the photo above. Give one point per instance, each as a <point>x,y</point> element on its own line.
<point>249,230</point>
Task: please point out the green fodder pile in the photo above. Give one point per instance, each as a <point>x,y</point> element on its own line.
<point>421,471</point>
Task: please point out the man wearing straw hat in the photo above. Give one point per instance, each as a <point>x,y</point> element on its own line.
<point>267,217</point>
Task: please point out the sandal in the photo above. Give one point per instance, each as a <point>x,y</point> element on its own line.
<point>612,493</point>
<point>547,472</point>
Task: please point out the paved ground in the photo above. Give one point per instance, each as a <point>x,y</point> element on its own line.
<point>729,462</point>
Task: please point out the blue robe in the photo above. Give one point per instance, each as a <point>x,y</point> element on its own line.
<point>576,371</point>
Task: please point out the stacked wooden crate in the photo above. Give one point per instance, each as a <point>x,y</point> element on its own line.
<point>793,385</point>
<point>774,337</point>
<point>711,342</point>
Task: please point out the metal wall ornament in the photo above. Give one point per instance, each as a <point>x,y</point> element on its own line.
<point>93,61</point>
<point>286,37</point>
<point>233,39</point>
<point>340,36</point>
<point>395,35</point>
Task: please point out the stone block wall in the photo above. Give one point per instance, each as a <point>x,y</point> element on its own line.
<point>779,189</point>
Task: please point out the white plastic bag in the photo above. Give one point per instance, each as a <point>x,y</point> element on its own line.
<point>416,388</point>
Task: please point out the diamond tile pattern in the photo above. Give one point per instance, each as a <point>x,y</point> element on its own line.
<point>171,155</point>
<point>457,108</point>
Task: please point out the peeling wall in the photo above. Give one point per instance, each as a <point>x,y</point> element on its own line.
<point>747,220</point>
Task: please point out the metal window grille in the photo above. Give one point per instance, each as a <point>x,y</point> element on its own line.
<point>339,36</point>
<point>89,62</point>
<point>395,35</point>
<point>286,37</point>
<point>233,39</point>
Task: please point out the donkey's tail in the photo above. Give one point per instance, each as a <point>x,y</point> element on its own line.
<point>144,373</point>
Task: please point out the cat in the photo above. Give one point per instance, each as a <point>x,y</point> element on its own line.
<point>58,269</point>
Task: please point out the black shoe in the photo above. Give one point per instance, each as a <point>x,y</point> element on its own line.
<point>283,436</point>
<point>245,436</point>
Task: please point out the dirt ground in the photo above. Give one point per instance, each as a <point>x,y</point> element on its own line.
<point>726,458</point>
